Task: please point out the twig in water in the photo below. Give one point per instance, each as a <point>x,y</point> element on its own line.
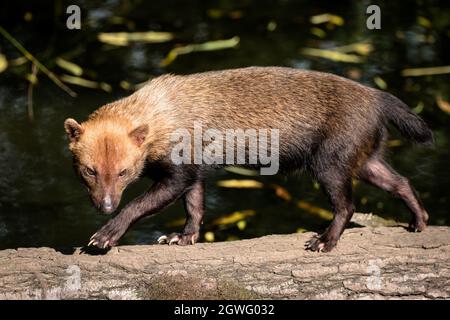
<point>35,61</point>
<point>34,71</point>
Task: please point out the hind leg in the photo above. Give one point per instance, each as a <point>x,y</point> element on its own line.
<point>338,187</point>
<point>380,174</point>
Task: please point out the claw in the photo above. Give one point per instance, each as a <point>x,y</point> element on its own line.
<point>90,242</point>
<point>95,243</point>
<point>106,244</point>
<point>174,239</point>
<point>93,235</point>
<point>162,239</point>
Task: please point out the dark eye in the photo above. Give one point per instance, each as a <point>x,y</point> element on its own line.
<point>122,173</point>
<point>90,172</point>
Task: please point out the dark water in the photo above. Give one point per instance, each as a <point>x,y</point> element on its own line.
<point>43,204</point>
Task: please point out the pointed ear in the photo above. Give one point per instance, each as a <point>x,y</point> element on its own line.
<point>73,129</point>
<point>139,134</point>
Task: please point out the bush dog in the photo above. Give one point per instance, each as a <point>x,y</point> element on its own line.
<point>330,126</point>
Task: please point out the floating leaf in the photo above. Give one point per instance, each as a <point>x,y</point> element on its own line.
<point>241,224</point>
<point>418,72</point>
<point>32,78</point>
<point>3,63</point>
<point>242,171</point>
<point>28,16</point>
<point>332,55</point>
<point>318,32</point>
<point>209,236</point>
<point>322,213</point>
<point>419,108</point>
<point>206,46</point>
<point>394,143</point>
<point>69,66</point>
<point>327,17</point>
<point>131,86</point>
<point>18,61</point>
<point>215,13</point>
<point>424,22</point>
<point>271,25</point>
<point>362,48</point>
<point>281,192</point>
<point>234,183</point>
<point>126,85</point>
<point>443,105</point>
<point>232,218</point>
<point>380,83</point>
<point>86,83</point>
<point>125,38</point>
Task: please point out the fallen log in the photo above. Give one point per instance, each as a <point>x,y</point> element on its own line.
<point>368,263</point>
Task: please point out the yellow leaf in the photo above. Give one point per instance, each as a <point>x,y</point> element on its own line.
<point>327,17</point>
<point>215,13</point>
<point>18,61</point>
<point>209,236</point>
<point>69,66</point>
<point>443,105</point>
<point>380,82</point>
<point>322,213</point>
<point>271,25</point>
<point>318,32</point>
<point>206,46</point>
<point>362,48</point>
<point>233,217</point>
<point>332,55</point>
<point>3,63</point>
<point>245,183</point>
<point>281,192</point>
<point>242,171</point>
<point>31,78</point>
<point>241,224</point>
<point>28,16</point>
<point>419,108</point>
<point>125,38</point>
<point>424,22</point>
<point>86,83</point>
<point>394,143</point>
<point>418,72</point>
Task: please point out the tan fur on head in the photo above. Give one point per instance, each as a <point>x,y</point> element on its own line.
<point>108,154</point>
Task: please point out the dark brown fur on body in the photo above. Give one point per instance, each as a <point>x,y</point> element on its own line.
<point>331,126</point>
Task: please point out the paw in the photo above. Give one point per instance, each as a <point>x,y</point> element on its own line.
<point>320,243</point>
<point>107,236</point>
<point>417,225</point>
<point>179,238</point>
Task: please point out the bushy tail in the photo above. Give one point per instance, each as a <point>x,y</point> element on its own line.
<point>408,123</point>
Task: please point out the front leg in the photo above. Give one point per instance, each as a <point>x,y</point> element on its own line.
<point>195,207</point>
<point>161,194</point>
